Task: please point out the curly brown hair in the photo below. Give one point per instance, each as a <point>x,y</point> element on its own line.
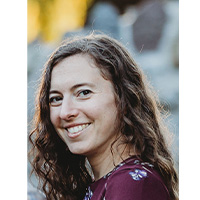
<point>65,175</point>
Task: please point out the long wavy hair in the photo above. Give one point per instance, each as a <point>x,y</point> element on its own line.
<point>65,175</point>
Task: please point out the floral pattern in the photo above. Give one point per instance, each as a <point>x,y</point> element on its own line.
<point>89,194</point>
<point>138,174</point>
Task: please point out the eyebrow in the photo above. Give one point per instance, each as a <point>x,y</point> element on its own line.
<point>83,84</point>
<point>75,87</point>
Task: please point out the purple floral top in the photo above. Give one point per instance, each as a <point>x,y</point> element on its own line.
<point>130,180</point>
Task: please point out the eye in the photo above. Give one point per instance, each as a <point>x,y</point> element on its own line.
<point>84,93</point>
<point>55,101</point>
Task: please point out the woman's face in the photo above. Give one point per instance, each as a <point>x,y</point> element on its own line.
<point>82,106</point>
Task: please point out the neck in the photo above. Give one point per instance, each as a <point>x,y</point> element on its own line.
<point>106,161</point>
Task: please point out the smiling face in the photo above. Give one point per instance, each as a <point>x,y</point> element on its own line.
<point>82,106</point>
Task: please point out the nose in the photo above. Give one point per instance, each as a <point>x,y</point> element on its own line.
<point>68,110</point>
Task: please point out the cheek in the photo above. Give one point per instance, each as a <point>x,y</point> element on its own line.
<point>102,110</point>
<point>54,117</point>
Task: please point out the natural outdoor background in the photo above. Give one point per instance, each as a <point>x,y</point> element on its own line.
<point>148,28</point>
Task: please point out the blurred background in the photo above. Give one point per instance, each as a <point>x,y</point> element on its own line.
<point>148,28</point>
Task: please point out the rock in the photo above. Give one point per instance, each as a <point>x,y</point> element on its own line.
<point>148,27</point>
<point>104,17</point>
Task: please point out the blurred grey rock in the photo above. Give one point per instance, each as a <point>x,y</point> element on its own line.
<point>34,194</point>
<point>104,17</point>
<point>148,27</point>
<point>37,56</point>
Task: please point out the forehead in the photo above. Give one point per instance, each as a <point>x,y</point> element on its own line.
<point>74,70</point>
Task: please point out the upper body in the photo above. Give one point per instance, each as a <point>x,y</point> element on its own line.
<point>94,105</point>
<point>130,180</point>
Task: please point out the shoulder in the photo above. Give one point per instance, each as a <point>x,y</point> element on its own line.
<point>136,180</point>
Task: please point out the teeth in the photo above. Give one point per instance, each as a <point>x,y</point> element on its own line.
<point>76,129</point>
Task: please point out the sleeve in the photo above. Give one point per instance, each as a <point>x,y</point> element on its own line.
<point>136,184</point>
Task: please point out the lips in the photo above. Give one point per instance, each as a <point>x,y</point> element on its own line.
<point>75,130</point>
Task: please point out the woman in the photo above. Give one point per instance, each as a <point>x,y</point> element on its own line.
<point>98,130</point>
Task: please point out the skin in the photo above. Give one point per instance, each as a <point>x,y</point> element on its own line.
<point>83,112</point>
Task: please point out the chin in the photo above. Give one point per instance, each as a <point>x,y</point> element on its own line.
<point>78,150</point>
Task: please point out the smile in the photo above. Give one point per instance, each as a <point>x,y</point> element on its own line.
<point>77,129</point>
